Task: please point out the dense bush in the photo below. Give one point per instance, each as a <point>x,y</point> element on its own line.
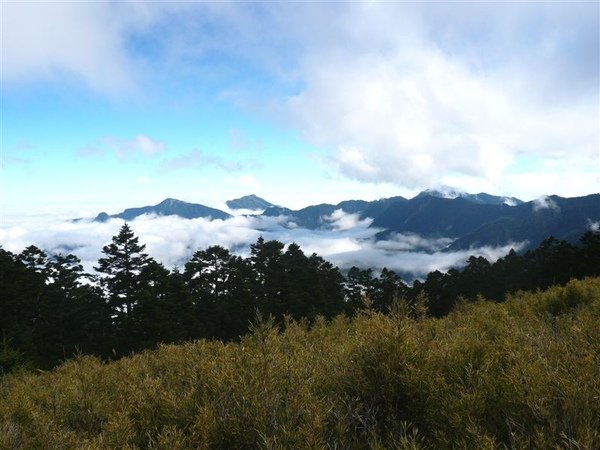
<point>520,374</point>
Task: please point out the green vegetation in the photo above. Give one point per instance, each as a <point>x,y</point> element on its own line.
<point>524,373</point>
<point>51,310</point>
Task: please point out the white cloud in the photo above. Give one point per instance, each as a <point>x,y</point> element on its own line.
<point>413,242</point>
<point>425,94</point>
<point>414,115</point>
<point>545,202</point>
<point>42,40</point>
<point>346,246</point>
<point>146,145</point>
<point>409,94</point>
<point>340,220</point>
<point>594,226</point>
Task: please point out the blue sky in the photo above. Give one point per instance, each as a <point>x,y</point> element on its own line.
<point>107,105</point>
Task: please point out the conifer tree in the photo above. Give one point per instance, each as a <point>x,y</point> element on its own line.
<point>123,265</point>
<point>265,260</point>
<point>221,288</point>
<point>359,286</point>
<point>34,259</point>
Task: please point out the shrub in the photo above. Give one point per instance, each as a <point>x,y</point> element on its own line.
<point>521,374</point>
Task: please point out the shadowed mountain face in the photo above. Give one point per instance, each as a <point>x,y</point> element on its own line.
<point>249,202</point>
<point>471,220</point>
<point>315,216</point>
<point>475,225</point>
<point>563,218</point>
<point>168,207</point>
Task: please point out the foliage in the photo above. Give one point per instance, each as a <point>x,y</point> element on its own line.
<point>50,310</point>
<point>520,374</point>
<point>553,262</point>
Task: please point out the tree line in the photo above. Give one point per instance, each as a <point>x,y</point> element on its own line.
<point>50,309</point>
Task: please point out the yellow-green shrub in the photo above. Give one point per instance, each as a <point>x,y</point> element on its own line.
<point>522,374</point>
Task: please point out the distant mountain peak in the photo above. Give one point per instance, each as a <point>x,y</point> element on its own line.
<point>170,202</point>
<point>482,198</point>
<point>168,207</point>
<point>443,192</point>
<point>249,202</point>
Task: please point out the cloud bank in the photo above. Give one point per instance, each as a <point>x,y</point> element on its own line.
<point>172,240</point>
<point>397,104</point>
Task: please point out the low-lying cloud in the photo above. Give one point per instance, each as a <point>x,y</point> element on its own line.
<point>545,202</point>
<point>172,240</point>
<point>593,226</point>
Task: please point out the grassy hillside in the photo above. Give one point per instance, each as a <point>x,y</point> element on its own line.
<point>521,374</point>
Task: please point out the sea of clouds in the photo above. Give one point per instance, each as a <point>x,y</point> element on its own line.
<point>348,241</point>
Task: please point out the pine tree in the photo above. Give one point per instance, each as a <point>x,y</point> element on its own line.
<point>359,286</point>
<point>123,265</point>
<point>75,313</point>
<point>265,260</point>
<point>221,287</point>
<point>390,288</point>
<point>34,259</point>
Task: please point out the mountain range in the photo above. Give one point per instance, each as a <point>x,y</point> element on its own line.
<point>168,207</point>
<point>471,220</point>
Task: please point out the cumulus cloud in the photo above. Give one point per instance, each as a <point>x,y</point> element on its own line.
<point>345,246</point>
<point>46,40</point>
<point>412,94</point>
<point>410,111</point>
<point>545,202</point>
<point>420,95</point>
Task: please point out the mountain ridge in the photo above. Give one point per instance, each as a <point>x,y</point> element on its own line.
<point>471,220</point>
<point>168,207</point>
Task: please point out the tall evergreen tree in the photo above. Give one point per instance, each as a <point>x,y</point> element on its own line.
<point>124,282</point>
<point>589,258</point>
<point>123,265</point>
<point>76,315</point>
<point>20,290</point>
<point>265,260</point>
<point>221,288</point>
<point>359,287</point>
<point>34,259</point>
<point>390,288</point>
